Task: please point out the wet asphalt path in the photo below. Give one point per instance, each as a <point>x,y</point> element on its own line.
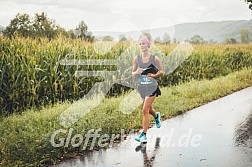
<point>216,134</point>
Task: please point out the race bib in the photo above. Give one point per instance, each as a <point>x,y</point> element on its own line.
<point>144,80</point>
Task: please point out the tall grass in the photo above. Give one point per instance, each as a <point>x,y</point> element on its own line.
<point>31,75</point>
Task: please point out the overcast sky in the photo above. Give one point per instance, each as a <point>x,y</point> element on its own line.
<point>127,15</point>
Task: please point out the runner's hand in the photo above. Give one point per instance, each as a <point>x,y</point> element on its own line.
<point>151,76</point>
<point>139,71</point>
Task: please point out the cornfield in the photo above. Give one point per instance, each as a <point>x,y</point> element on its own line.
<point>31,74</point>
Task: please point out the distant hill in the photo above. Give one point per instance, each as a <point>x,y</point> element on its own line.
<point>215,31</point>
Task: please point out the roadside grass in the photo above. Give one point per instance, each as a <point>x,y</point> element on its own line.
<point>25,137</point>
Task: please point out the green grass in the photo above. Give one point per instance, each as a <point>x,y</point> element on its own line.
<point>24,139</point>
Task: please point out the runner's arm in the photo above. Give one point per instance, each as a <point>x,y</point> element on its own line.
<point>136,71</point>
<point>160,68</point>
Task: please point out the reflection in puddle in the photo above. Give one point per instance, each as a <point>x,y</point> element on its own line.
<point>148,159</point>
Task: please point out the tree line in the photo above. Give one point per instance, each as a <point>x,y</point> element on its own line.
<point>245,38</point>
<point>41,26</point>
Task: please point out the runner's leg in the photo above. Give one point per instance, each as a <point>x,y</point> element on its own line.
<point>153,112</point>
<point>146,109</point>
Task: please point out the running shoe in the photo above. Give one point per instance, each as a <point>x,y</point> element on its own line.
<point>141,138</point>
<point>157,120</point>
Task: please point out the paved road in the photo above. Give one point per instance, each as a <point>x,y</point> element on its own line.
<point>216,134</point>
